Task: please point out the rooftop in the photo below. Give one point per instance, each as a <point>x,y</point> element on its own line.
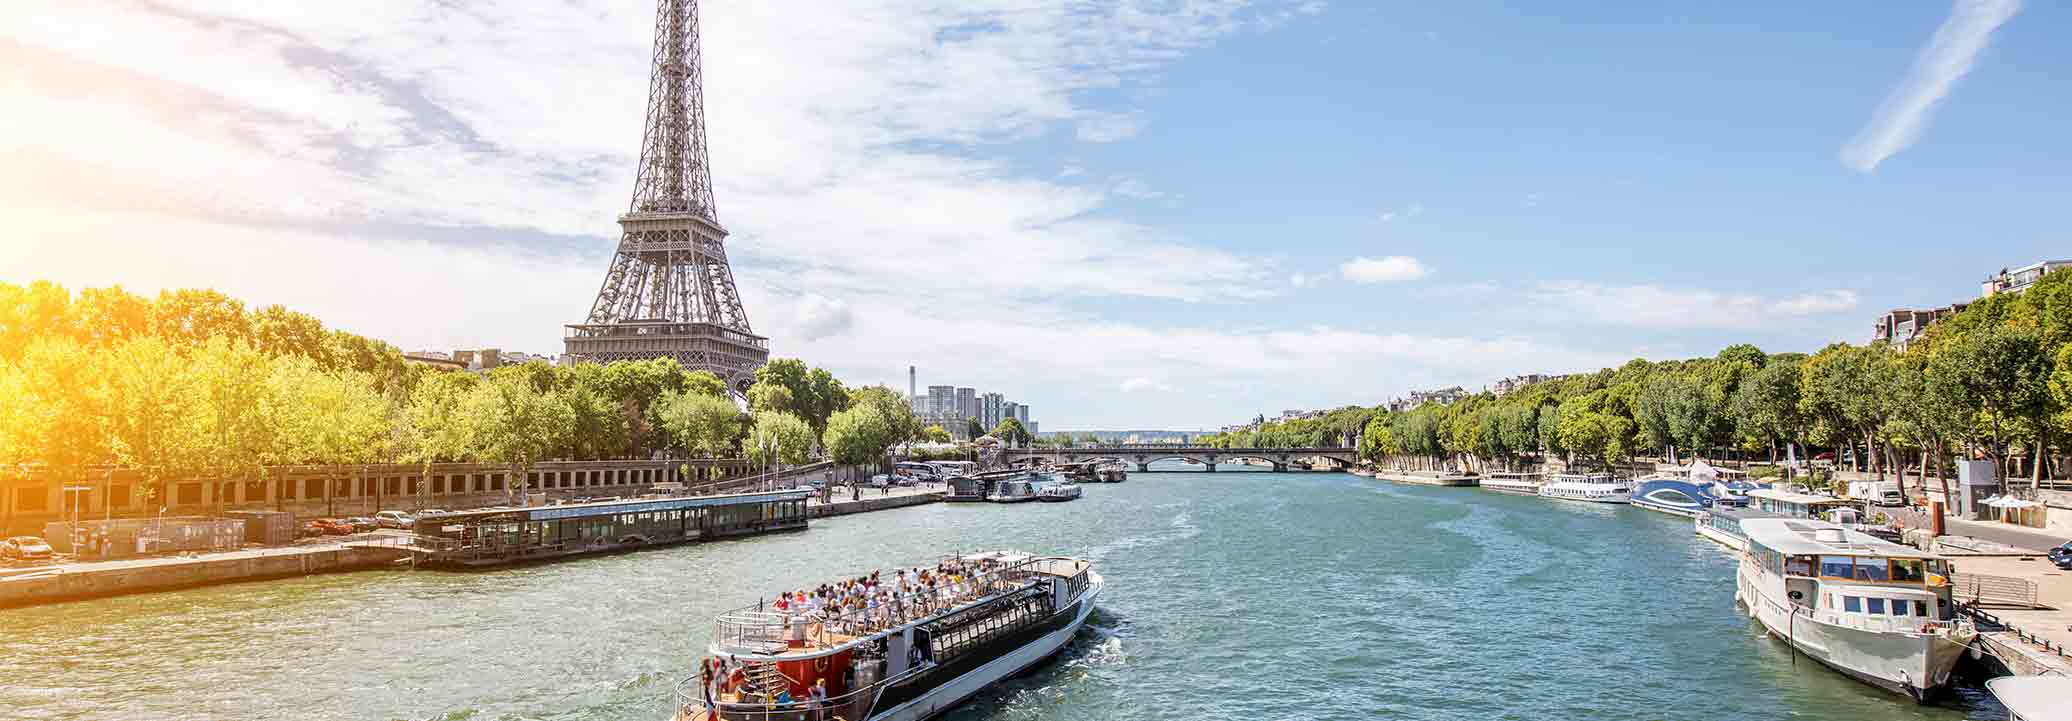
<point>1796,536</point>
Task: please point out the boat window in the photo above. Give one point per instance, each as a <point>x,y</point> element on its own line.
<point>1899,607</point>
<point>1852,604</point>
<point>1870,569</point>
<point>1921,608</point>
<point>1798,566</point>
<point>1907,570</point>
<point>1836,566</point>
<point>1877,605</point>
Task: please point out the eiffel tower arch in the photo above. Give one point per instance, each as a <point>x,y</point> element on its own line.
<point>669,292</point>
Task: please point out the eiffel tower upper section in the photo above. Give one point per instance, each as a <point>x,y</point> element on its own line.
<point>669,292</point>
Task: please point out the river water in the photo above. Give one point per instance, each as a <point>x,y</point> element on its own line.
<point>1232,595</point>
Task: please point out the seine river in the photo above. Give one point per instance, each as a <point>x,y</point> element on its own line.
<point>1231,595</point>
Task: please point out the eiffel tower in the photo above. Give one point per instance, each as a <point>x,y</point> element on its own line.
<point>670,292</point>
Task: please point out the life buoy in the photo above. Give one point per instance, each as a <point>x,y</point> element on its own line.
<point>820,664</point>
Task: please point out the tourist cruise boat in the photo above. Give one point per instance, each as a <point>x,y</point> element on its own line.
<point>1589,487</point>
<point>1058,492</point>
<point>1874,610</point>
<point>1111,473</point>
<point>988,617</point>
<point>1504,482</point>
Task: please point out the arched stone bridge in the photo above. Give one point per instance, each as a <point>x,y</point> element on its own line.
<point>1143,456</point>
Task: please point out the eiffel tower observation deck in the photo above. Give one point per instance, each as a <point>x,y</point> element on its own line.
<point>669,292</point>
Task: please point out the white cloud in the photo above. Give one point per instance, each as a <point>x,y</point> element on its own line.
<point>1140,384</point>
<point>1300,280</point>
<point>1407,213</point>
<point>1904,114</point>
<point>1654,306</point>
<point>818,316</point>
<point>1110,127</point>
<point>1383,270</point>
<point>1134,188</point>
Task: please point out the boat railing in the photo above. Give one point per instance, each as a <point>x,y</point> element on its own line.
<point>763,628</point>
<point>691,704</point>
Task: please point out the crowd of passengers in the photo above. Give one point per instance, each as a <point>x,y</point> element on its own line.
<point>868,604</point>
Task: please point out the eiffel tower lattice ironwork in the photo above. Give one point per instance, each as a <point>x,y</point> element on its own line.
<point>670,292</point>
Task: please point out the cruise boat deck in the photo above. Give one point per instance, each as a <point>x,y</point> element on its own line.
<point>897,646</point>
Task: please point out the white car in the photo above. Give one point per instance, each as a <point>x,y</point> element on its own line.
<point>395,519</point>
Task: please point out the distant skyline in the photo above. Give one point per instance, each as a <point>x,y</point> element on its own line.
<point>1177,214</point>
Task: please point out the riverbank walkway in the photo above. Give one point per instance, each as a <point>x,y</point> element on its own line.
<point>2049,621</point>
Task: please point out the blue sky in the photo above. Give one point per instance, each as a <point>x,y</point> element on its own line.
<point>1168,213</point>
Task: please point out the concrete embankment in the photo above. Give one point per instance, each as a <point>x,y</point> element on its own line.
<point>73,581</point>
<point>872,503</point>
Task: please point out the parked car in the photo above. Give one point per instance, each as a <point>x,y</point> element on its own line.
<point>881,481</point>
<point>333,526</point>
<point>395,519</point>
<point>362,524</point>
<point>2060,553</point>
<point>26,548</point>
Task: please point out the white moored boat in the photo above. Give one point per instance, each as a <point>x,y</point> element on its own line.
<point>1591,487</point>
<point>1505,482</point>
<point>1874,610</point>
<point>908,647</point>
<point>1059,492</point>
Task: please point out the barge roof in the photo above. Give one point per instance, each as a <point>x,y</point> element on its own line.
<point>607,508</point>
<point>1797,536</point>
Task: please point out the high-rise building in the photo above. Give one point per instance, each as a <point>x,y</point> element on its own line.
<point>942,401</point>
<point>967,402</point>
<point>989,409</point>
<point>913,391</point>
<point>1010,409</point>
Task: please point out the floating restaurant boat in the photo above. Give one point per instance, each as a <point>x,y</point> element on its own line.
<point>975,620</point>
<point>1014,490</point>
<point>1111,473</point>
<point>501,536</point>
<point>1672,495</point>
<point>1589,487</point>
<point>1722,522</point>
<point>1059,492</point>
<point>1876,611</point>
<point>1507,482</point>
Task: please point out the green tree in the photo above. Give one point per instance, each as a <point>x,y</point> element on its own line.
<point>63,417</point>
<point>434,421</point>
<point>1999,375</point>
<point>1011,432</point>
<point>1768,406</point>
<point>935,434</point>
<point>766,396</point>
<point>153,412</point>
<point>780,438</point>
<point>857,436</point>
<point>702,424</point>
<point>512,423</point>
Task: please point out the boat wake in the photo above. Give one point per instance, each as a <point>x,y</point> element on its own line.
<point>1180,528</point>
<point>1098,646</point>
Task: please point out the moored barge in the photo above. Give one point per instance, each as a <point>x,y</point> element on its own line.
<point>503,536</point>
<point>907,646</point>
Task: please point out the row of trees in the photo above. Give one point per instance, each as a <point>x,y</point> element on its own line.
<point>1992,381</point>
<point>191,385</point>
